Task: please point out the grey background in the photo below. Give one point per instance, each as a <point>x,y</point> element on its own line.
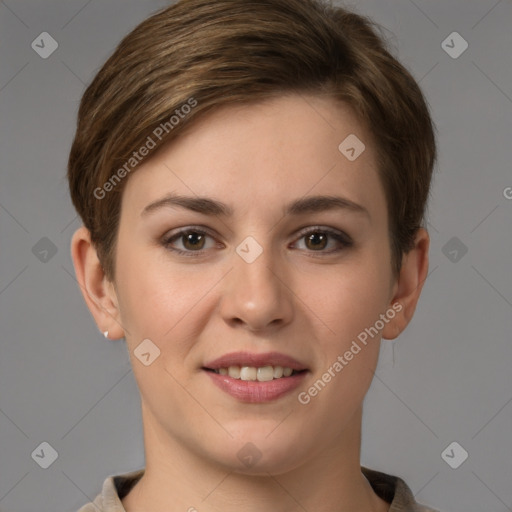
<point>447,378</point>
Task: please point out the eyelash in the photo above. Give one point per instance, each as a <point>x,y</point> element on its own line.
<point>340,237</point>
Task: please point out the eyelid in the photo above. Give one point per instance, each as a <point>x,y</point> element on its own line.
<point>324,229</point>
<point>177,233</point>
<point>340,236</point>
<point>186,229</point>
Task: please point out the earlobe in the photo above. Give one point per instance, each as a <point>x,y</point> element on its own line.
<point>98,292</point>
<point>407,289</point>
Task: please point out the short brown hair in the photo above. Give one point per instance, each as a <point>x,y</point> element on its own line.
<point>240,51</point>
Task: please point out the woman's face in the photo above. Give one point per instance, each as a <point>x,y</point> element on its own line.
<point>278,276</point>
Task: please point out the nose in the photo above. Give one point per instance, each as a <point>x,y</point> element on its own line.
<point>256,295</point>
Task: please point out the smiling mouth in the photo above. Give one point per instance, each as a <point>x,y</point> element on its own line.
<point>256,373</point>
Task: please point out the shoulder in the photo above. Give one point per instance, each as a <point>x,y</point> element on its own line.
<point>115,488</point>
<point>395,491</point>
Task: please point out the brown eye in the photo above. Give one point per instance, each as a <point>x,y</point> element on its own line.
<point>193,241</point>
<point>323,240</point>
<point>316,241</point>
<point>189,242</point>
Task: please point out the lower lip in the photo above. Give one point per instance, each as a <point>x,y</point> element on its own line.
<point>253,391</point>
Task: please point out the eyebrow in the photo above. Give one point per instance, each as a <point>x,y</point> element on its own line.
<point>207,206</point>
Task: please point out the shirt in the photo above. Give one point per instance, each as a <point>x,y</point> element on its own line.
<point>390,488</point>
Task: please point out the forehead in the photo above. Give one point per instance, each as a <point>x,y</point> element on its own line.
<point>268,152</point>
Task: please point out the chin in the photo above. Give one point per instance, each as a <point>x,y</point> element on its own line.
<point>261,451</point>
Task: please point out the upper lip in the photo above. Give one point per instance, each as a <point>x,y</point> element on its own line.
<point>255,360</point>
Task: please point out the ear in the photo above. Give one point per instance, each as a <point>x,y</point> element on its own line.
<point>98,292</point>
<point>407,289</point>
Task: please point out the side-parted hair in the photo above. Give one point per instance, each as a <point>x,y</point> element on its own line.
<point>198,55</point>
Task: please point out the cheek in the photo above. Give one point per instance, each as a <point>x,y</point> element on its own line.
<point>164,302</point>
<point>352,297</point>
<point>349,303</point>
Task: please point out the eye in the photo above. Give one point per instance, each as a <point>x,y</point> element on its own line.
<point>189,241</point>
<point>317,239</point>
<point>193,241</point>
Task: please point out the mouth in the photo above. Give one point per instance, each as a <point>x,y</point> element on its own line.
<point>253,373</point>
<point>256,377</point>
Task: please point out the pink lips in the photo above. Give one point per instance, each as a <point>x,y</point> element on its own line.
<point>250,359</point>
<point>254,391</point>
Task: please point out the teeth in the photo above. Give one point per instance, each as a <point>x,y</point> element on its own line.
<point>234,371</point>
<point>278,372</point>
<point>251,373</point>
<point>248,373</point>
<point>265,373</point>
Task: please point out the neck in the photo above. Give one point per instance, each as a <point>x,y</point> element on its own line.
<point>177,480</point>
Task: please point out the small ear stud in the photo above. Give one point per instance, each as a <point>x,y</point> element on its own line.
<point>105,334</point>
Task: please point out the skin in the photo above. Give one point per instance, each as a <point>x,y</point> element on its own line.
<point>297,298</point>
